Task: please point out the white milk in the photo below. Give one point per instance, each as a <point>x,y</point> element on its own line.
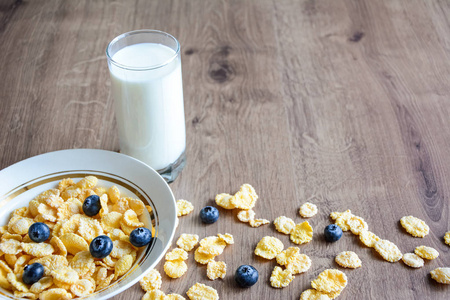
<point>149,104</point>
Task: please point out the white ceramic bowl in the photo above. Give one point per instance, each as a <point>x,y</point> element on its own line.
<point>24,180</point>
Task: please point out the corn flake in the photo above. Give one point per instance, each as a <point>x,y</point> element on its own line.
<point>357,224</point>
<point>412,260</point>
<point>216,270</point>
<point>10,246</point>
<point>123,265</point>
<point>16,283</point>
<point>174,297</point>
<point>5,267</point>
<point>136,205</point>
<point>227,238</point>
<point>130,218</point>
<point>308,210</point>
<point>212,245</point>
<point>388,250</point>
<point>200,291</point>
<point>426,252</point>
<point>74,243</point>
<point>25,295</point>
<point>83,263</point>
<point>311,294</point>
<point>82,288</point>
<point>184,207</point>
<point>330,281</point>
<point>89,228</point>
<point>447,238</point>
<point>245,198</point>
<point>37,249</point>
<point>65,275</point>
<point>269,247</point>
<point>58,246</point>
<point>302,233</point>
<point>202,258</point>
<point>441,275</point>
<point>368,238</point>
<point>43,284</point>
<point>175,268</point>
<point>295,262</point>
<point>55,294</point>
<point>22,225</point>
<point>341,219</point>
<point>348,259</point>
<point>111,221</point>
<point>151,281</point>
<point>246,216</point>
<point>187,242</point>
<point>65,183</point>
<point>224,200</point>
<point>258,222</point>
<point>280,278</point>
<point>414,226</point>
<point>284,224</point>
<point>154,295</point>
<point>121,205</point>
<point>121,248</point>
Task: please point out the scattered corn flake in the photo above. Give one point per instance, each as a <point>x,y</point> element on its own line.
<point>258,222</point>
<point>283,256</point>
<point>284,224</point>
<point>368,238</point>
<point>74,243</point>
<point>55,294</point>
<point>357,224</point>
<point>227,238</point>
<point>89,228</point>
<point>174,297</point>
<point>308,210</point>
<point>280,278</point>
<point>245,198</point>
<point>224,200</point>
<point>200,291</point>
<point>330,281</point>
<point>123,265</point>
<point>151,281</point>
<point>414,226</point>
<point>65,274</point>
<point>426,252</point>
<point>202,258</point>
<point>341,219</point>
<point>176,254</point>
<point>302,233</point>
<point>269,247</point>
<point>216,269</point>
<point>82,288</point>
<point>43,284</point>
<point>10,246</point>
<point>154,295</point>
<point>412,260</point>
<point>298,263</point>
<point>348,259</point>
<point>212,245</point>
<point>447,238</point>
<point>175,268</point>
<point>16,283</point>
<point>388,250</point>
<point>184,207</point>
<point>441,275</point>
<point>136,205</point>
<point>246,216</point>
<point>37,249</point>
<point>312,294</point>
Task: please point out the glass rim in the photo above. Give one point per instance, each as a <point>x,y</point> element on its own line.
<point>144,68</point>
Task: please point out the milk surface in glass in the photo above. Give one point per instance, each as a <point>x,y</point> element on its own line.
<point>149,103</point>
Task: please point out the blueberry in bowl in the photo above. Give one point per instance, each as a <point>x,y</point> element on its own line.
<point>92,205</point>
<point>140,237</point>
<point>32,273</point>
<point>39,232</point>
<point>101,246</point>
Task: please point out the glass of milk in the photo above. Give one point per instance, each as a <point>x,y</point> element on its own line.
<point>145,69</point>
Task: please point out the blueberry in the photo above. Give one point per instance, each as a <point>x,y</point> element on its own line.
<point>140,237</point>
<point>101,246</point>
<point>92,205</point>
<point>332,233</point>
<point>32,273</point>
<point>39,232</point>
<point>209,214</point>
<point>246,276</point>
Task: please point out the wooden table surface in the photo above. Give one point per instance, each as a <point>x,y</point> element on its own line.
<point>343,102</point>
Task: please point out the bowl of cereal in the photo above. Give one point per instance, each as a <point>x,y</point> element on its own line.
<point>51,189</point>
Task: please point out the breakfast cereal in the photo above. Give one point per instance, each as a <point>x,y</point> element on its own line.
<point>302,233</point>
<point>426,252</point>
<point>280,278</point>
<point>216,269</point>
<point>348,259</point>
<point>308,210</point>
<point>184,207</point>
<point>441,275</point>
<point>199,291</point>
<point>284,224</point>
<point>187,242</point>
<point>388,250</point>
<point>412,260</point>
<point>269,247</point>
<point>414,226</point>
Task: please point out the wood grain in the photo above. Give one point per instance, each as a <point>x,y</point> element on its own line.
<point>341,102</point>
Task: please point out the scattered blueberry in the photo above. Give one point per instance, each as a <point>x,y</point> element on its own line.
<point>246,276</point>
<point>92,205</point>
<point>332,233</point>
<point>209,214</point>
<point>101,246</point>
<point>39,232</point>
<point>32,273</point>
<point>140,237</point>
